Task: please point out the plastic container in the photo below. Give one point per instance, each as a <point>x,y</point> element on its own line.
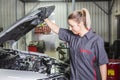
<point>32,48</point>
<point>113,70</point>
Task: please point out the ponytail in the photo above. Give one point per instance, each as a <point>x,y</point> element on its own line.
<point>86,14</point>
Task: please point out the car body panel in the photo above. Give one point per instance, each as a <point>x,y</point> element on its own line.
<point>7,74</point>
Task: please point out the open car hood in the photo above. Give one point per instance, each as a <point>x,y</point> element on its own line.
<point>27,65</point>
<point>24,25</point>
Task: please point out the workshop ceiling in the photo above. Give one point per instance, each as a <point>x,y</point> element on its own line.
<point>61,0</point>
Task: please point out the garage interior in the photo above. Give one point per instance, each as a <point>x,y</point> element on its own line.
<point>105,17</point>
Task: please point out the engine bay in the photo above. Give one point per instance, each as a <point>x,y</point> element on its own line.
<point>35,62</point>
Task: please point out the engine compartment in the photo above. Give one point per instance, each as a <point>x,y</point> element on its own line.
<point>27,61</point>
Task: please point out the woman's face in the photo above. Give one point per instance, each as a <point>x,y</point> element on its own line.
<point>74,26</point>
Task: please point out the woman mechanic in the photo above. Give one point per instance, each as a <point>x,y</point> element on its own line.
<point>88,57</point>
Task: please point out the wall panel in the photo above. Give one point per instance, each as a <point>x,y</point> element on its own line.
<point>10,11</point>
<point>7,12</point>
<point>115,11</point>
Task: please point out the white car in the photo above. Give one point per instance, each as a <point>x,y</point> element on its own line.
<point>7,74</point>
<point>24,65</point>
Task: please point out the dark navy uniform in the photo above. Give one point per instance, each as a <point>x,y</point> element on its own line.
<point>87,53</point>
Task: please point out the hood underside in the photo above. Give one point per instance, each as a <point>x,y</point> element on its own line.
<point>24,25</point>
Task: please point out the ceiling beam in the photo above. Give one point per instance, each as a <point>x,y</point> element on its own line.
<point>61,0</point>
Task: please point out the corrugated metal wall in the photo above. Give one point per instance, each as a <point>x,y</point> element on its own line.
<point>7,12</point>
<point>10,11</point>
<point>115,11</point>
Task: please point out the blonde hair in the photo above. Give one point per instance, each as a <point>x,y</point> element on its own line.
<point>81,15</point>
